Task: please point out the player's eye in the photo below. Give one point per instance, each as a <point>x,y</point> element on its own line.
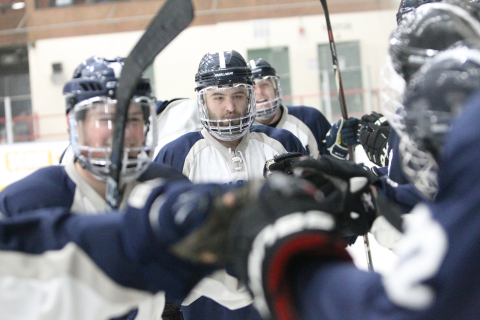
<point>135,120</point>
<point>105,119</point>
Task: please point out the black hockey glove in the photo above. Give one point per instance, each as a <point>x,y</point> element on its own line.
<point>281,163</point>
<point>356,209</point>
<point>341,135</point>
<point>373,135</point>
<point>290,222</point>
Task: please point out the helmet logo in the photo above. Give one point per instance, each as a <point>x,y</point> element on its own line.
<point>223,74</point>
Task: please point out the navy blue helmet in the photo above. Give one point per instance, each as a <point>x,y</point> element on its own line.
<point>91,106</point>
<point>225,74</point>
<point>428,30</point>
<point>407,6</point>
<point>98,77</point>
<point>222,68</point>
<point>434,97</point>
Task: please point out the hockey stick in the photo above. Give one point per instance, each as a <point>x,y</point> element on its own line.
<point>343,109</point>
<point>172,19</point>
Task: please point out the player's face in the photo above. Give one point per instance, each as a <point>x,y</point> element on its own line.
<point>227,103</point>
<point>97,128</point>
<point>264,93</point>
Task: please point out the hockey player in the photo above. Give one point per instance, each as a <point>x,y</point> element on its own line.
<point>303,272</point>
<point>306,123</point>
<point>227,150</point>
<point>429,29</point>
<point>80,184</point>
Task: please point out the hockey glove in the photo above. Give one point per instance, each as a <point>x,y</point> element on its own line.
<point>356,209</point>
<point>208,244</point>
<point>191,221</point>
<point>281,163</point>
<point>373,135</point>
<point>341,135</point>
<point>290,222</point>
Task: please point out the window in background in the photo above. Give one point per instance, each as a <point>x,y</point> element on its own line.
<point>350,67</point>
<point>15,84</point>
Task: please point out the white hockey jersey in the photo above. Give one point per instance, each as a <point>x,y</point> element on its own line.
<point>202,158</point>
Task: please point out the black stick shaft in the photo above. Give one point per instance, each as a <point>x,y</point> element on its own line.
<point>343,109</point>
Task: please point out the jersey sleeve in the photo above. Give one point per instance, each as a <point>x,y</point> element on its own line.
<point>341,291</point>
<point>288,140</point>
<point>46,187</point>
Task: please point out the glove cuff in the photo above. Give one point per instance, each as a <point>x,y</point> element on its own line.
<point>339,152</point>
<point>275,250</point>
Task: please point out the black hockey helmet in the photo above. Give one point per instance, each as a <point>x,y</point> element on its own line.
<point>261,68</point>
<point>91,104</point>
<point>222,68</point>
<point>434,97</point>
<point>407,6</point>
<point>430,29</point>
<point>472,6</point>
<point>98,76</point>
<point>263,71</point>
<point>225,71</point>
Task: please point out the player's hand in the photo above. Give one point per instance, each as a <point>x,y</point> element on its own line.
<point>208,244</point>
<point>282,163</point>
<point>373,135</point>
<point>357,208</point>
<point>342,134</point>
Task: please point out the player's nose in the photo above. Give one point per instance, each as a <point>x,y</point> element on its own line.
<point>229,104</point>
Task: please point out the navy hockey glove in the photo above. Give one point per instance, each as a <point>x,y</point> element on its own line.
<point>373,135</point>
<point>281,163</point>
<point>290,222</point>
<point>342,134</point>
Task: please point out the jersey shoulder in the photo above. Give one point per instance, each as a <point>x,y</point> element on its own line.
<point>289,141</point>
<point>45,188</point>
<point>315,121</point>
<point>174,153</point>
<point>312,117</point>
